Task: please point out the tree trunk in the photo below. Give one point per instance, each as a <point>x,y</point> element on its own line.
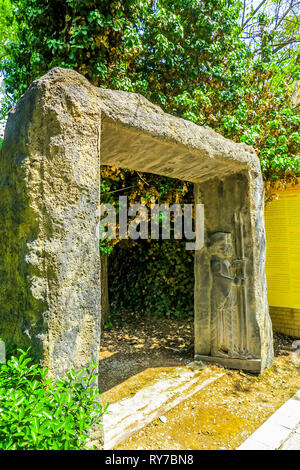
<point>104,290</point>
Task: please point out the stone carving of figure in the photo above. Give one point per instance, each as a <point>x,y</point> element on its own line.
<point>223,295</point>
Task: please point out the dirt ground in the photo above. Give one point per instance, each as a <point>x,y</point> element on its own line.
<point>220,416</point>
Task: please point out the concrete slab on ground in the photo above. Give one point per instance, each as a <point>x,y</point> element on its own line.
<point>129,415</point>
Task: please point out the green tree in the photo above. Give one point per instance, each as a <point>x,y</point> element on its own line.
<point>7,26</point>
<point>188,56</point>
<point>93,37</point>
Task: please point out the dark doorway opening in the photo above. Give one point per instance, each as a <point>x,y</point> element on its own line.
<point>147,284</point>
<point>150,320</point>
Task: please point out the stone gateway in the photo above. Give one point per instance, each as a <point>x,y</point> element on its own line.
<point>56,137</point>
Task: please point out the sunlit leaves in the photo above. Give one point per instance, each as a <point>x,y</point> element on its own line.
<point>185,55</point>
<point>37,414</point>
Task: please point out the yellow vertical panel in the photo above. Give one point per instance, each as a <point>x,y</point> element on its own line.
<point>282,219</point>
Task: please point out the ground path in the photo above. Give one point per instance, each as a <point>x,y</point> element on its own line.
<point>220,416</point>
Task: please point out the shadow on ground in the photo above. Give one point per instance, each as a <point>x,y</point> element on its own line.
<point>135,343</point>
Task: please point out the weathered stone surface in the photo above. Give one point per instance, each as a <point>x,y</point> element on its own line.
<point>49,202</point>
<point>234,309</point>
<point>49,197</point>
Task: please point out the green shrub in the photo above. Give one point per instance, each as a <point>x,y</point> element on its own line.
<point>39,414</point>
<point>155,276</point>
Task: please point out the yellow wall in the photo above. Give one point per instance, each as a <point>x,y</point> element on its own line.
<point>282,219</point>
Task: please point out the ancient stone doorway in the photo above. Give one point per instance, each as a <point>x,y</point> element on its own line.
<point>56,137</point>
<point>150,281</point>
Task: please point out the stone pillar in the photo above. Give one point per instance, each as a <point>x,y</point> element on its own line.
<point>232,323</point>
<point>49,206</point>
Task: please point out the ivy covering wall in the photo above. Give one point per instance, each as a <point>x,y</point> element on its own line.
<point>152,277</point>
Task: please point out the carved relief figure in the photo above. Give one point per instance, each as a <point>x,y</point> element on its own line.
<point>224,337</point>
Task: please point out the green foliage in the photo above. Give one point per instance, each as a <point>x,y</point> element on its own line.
<point>8,26</point>
<point>94,37</point>
<point>155,276</point>
<point>188,56</point>
<point>37,414</point>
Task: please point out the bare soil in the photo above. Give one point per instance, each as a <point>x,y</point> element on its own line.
<point>136,348</point>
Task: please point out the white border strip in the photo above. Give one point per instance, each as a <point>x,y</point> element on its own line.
<point>280,432</point>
